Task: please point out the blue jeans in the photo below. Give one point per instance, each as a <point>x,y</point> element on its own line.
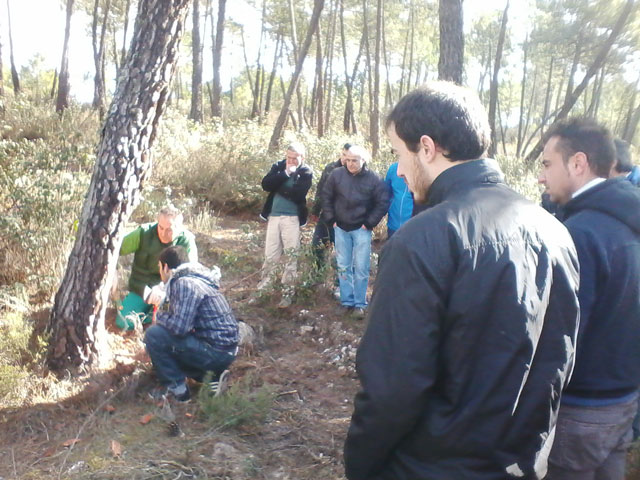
<point>175,358</point>
<point>353,250</point>
<point>591,442</point>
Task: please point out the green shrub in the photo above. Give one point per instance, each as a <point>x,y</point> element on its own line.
<point>243,404</point>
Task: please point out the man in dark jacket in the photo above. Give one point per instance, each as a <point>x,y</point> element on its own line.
<point>285,210</point>
<point>354,200</point>
<point>473,317</point>
<point>323,234</point>
<point>603,217</point>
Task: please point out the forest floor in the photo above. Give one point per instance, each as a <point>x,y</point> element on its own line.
<point>110,429</point>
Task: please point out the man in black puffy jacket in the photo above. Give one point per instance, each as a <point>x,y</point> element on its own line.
<point>603,218</point>
<point>474,314</point>
<point>354,200</point>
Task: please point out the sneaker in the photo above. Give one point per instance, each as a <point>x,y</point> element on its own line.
<point>336,293</point>
<point>345,309</point>
<point>180,393</point>
<point>359,313</point>
<point>285,302</point>
<point>218,387</point>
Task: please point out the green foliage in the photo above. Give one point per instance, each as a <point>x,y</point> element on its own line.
<point>520,176</point>
<point>44,173</point>
<point>242,405</point>
<point>16,357</point>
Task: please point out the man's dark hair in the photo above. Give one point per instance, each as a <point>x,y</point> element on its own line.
<point>173,257</point>
<point>623,156</point>
<point>584,135</point>
<point>346,146</point>
<point>451,115</point>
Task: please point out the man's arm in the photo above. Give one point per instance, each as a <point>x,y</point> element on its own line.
<point>380,205</point>
<point>317,202</point>
<point>397,357</point>
<point>588,256</point>
<point>298,192</point>
<point>184,300</point>
<point>275,178</point>
<point>131,242</point>
<point>190,246</point>
<point>328,195</point>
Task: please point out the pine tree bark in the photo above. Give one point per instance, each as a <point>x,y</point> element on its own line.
<point>76,324</point>
<point>274,142</point>
<point>62,101</point>
<point>451,59</point>
<point>195,113</point>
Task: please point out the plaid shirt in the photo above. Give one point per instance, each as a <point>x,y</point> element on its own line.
<point>197,307</point>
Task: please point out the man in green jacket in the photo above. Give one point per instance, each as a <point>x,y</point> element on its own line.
<point>147,241</point>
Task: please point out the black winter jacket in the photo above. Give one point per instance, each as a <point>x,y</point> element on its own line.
<point>470,340</point>
<point>604,222</point>
<point>326,172</point>
<point>351,200</point>
<point>274,182</point>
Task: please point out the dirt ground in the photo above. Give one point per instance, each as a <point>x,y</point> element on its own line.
<point>305,352</point>
<point>106,427</point>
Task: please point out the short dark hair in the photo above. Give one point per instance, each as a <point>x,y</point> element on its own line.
<point>448,113</point>
<point>580,134</point>
<point>173,257</point>
<point>623,156</point>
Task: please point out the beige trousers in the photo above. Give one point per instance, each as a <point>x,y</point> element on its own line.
<point>283,236</point>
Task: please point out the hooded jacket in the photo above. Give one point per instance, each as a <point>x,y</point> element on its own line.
<point>352,200</point>
<point>604,222</point>
<point>470,339</point>
<point>275,182</point>
<point>196,307</point>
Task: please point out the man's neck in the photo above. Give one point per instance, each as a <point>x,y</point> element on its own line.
<point>589,183</point>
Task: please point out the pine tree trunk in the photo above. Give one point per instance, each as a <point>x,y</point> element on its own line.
<point>493,94</point>
<point>451,59</point>
<point>98,57</point>
<point>597,63</point>
<point>62,102</point>
<point>274,142</point>
<point>76,324</point>
<point>217,60</point>
<point>15,79</point>
<point>374,124</point>
<point>195,113</point>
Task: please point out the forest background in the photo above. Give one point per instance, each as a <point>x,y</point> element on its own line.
<point>252,76</point>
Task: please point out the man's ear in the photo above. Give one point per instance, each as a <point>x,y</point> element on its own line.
<point>427,148</point>
<point>580,163</point>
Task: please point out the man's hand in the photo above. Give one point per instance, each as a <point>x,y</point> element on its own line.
<point>290,169</point>
<point>156,296</point>
<point>314,218</point>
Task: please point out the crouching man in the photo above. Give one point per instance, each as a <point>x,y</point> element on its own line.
<point>198,334</point>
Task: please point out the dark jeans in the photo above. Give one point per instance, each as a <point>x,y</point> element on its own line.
<point>175,358</point>
<point>323,238</point>
<point>591,443</point>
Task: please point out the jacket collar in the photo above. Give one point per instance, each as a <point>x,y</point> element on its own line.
<point>462,176</point>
